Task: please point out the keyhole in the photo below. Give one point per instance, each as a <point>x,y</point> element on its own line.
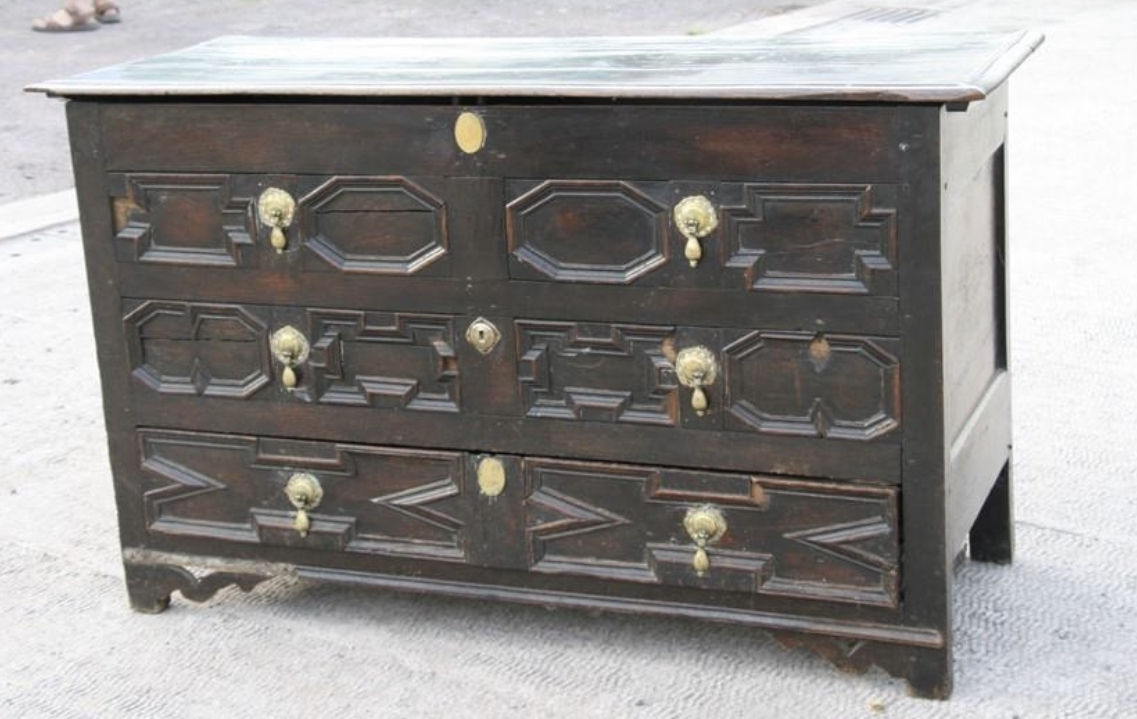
<point>482,335</point>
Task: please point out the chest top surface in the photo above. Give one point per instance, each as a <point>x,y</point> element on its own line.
<point>946,67</point>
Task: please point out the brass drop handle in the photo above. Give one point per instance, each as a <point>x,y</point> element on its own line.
<point>290,348</point>
<point>276,208</point>
<point>696,368</point>
<point>705,525</point>
<point>696,218</point>
<point>304,492</point>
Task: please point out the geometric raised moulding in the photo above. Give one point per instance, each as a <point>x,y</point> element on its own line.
<point>798,383</point>
<point>588,231</point>
<point>182,219</point>
<point>813,238</point>
<point>596,372</point>
<point>198,349</point>
<point>384,360</point>
<point>376,500</point>
<point>381,225</point>
<point>804,539</point>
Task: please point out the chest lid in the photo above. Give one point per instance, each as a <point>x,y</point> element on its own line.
<point>951,67</point>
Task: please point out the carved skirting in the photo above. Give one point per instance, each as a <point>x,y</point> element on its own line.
<point>151,585</point>
<point>857,656</point>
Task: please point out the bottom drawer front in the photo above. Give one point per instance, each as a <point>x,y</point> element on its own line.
<point>369,499</point>
<point>625,523</point>
<point>765,535</point>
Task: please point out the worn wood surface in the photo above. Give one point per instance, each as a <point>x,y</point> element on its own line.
<point>926,560</point>
<point>784,142</point>
<point>856,428</point>
<point>946,67</point>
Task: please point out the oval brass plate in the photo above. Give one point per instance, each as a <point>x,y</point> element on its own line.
<point>470,133</point>
<point>491,476</point>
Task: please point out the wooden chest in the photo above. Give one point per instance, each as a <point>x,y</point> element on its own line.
<point>696,327</point>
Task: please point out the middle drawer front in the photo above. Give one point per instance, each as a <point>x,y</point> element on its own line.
<point>781,537</point>
<point>822,404</point>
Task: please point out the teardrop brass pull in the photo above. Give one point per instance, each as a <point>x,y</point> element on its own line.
<point>696,368</point>
<point>290,348</point>
<point>696,218</point>
<point>305,493</point>
<point>276,208</point>
<point>705,525</point>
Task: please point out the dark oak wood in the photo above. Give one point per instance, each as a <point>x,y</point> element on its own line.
<point>848,143</point>
<point>856,431</point>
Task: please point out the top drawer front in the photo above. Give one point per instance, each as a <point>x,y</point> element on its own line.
<point>775,143</point>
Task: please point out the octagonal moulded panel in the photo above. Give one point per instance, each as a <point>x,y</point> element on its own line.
<point>798,383</point>
<point>588,231</point>
<point>381,225</point>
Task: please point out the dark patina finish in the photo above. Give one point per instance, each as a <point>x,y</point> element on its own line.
<point>707,328</point>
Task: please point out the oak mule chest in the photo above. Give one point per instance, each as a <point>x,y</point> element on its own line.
<point>693,327</point>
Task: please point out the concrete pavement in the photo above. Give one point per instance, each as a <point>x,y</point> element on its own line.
<point>33,141</point>
<point>1054,635</point>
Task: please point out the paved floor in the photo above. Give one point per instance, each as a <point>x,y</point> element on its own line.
<point>1055,635</point>
<point>32,131</point>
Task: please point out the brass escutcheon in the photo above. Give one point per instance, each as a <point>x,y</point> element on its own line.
<point>305,493</point>
<point>276,208</point>
<point>470,132</point>
<point>705,525</point>
<point>483,335</point>
<point>491,476</point>
<point>290,348</point>
<point>696,218</point>
<point>696,368</point>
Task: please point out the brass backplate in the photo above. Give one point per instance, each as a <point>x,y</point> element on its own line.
<point>695,216</point>
<point>705,524</point>
<point>696,367</point>
<point>289,346</point>
<point>276,207</point>
<point>491,476</point>
<point>304,491</point>
<point>483,335</point>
